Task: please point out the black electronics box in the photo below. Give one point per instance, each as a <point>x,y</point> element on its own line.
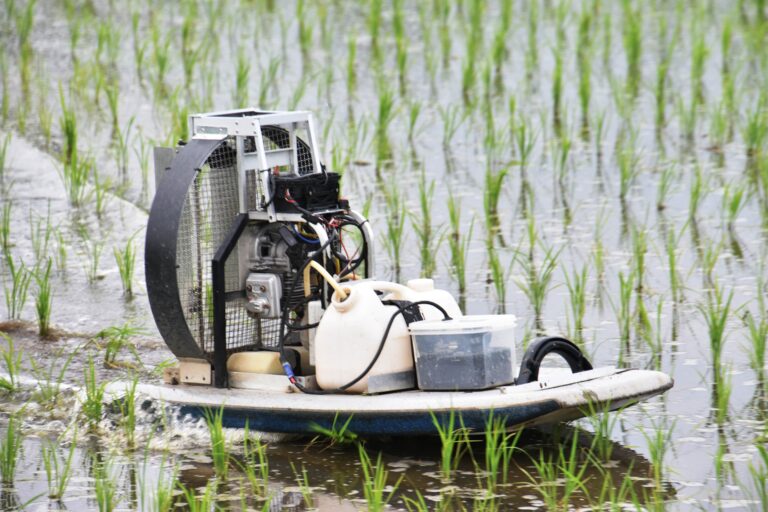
<point>316,192</point>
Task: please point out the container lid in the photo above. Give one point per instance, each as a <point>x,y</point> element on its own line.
<point>464,325</point>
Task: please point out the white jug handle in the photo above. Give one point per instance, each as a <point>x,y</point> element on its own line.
<point>398,291</point>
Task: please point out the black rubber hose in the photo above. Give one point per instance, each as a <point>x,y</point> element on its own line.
<point>540,348</point>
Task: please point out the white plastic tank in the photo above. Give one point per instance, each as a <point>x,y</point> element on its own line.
<point>350,332</point>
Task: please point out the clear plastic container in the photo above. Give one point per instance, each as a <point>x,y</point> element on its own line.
<point>464,354</point>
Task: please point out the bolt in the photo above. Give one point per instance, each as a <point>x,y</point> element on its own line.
<point>262,288</point>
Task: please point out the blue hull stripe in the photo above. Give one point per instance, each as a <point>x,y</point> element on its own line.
<point>302,422</point>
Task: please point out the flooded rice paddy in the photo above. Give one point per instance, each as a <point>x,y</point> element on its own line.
<point>597,168</point>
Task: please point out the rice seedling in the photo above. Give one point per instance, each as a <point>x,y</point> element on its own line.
<point>474,42</point>
<point>576,282</point>
<point>628,162</point>
<point>557,479</point>
<point>44,300</point>
<point>92,249</point>
<point>5,228</point>
<point>128,413</point>
<point>401,44</point>
<point>160,62</point>
<point>255,463</point>
<point>557,89</point>
<point>199,503</point>
<point>220,448</point>
<point>376,490</point>
<point>671,244</point>
<point>537,280</point>
<point>40,235</point>
<point>666,181</point>
<point>75,177</point>
<point>16,291</point>
<point>632,38</point>
<point>4,153</point>
<point>414,111</point>
<point>755,130</point>
<point>12,367</point>
<point>532,51</point>
<point>395,221</point>
<point>51,378</point>
<point>757,333</point>
<point>105,486</point>
<point>759,474</point>
<point>451,443</point>
<point>688,118</point>
<point>68,126</point>
<point>734,201</point>
<point>459,246</point>
<point>5,100</point>
<point>60,254</point>
<point>498,278</point>
<point>660,84</point>
<point>126,261</point>
<point>699,54</point>
<point>115,338</point>
<point>716,312</point>
<point>338,433</point>
<point>58,467</point>
<point>452,118</point>
<point>122,140</point>
<point>584,54</point>
<point>429,239</point>
<point>416,504</point>
<point>242,78</point>
<point>24,22</point>
<point>157,491</point>
<point>351,74</point>
<point>494,184</point>
<point>499,50</point>
<point>386,114</point>
<point>93,400</point>
<point>11,446</point>
<point>624,311</point>
<point>657,444</point>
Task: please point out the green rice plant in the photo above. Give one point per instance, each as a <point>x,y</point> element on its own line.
<point>628,162</point>
<point>734,201</point>
<point>624,312</point>
<point>414,111</point>
<point>395,220</point>
<point>220,448</point>
<point>459,247</point>
<point>255,463</point>
<point>757,333</point>
<point>50,379</point>
<point>4,153</point>
<point>5,228</point>
<point>115,338</point>
<point>639,249</point>
<point>416,504</point>
<point>374,27</point>
<point>632,37</point>
<point>474,42</point>
<point>385,117</point>
<point>688,117</point>
<point>494,184</point>
<point>452,118</point>
<point>759,474</point>
<point>557,479</point>
<point>716,312</point>
<point>60,254</point>
<point>101,193</point>
<point>499,445</point>
<point>499,278</point>
<point>44,118</point>
<point>40,235</point>
<point>92,249</point>
<point>16,292</point>
<point>584,54</point>
<point>122,140</point>
<point>666,181</point>
<point>671,244</point>
<point>126,262</point>
<point>58,468</point>
<point>242,79</point>
<point>376,490</point>
<point>128,413</point>
<point>157,490</point>
<point>557,89</point>
<point>44,300</point>
<point>24,22</point>
<point>199,503</point>
<point>658,443</point>
<point>105,486</point>
<point>532,50</point>
<point>351,74</point>
<point>525,141</point>
<point>11,447</point>
<point>699,54</point>
<point>576,282</point>
<point>660,84</point>
<point>160,61</point>
<point>721,395</point>
<point>537,280</point>
<point>267,79</point>
<point>452,446</point>
<point>112,92</point>
<point>5,101</point>
<point>93,400</point>
<point>696,193</point>
<point>12,367</point>
<point>429,239</point>
<point>75,177</point>
<point>68,126</point>
<point>401,44</point>
<point>603,422</point>
<point>338,433</point>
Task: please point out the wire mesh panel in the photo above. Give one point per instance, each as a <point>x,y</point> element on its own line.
<point>276,138</point>
<point>210,208</point>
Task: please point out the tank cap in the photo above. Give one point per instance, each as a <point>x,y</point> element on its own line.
<point>421,285</point>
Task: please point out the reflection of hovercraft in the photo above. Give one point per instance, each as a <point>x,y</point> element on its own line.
<point>257,269</point>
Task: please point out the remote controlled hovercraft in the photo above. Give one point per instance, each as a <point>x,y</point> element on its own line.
<point>261,280</point>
